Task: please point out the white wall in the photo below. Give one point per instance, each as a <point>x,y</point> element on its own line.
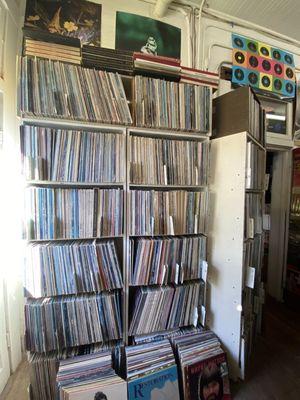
<point>10,199</point>
<point>215,43</point>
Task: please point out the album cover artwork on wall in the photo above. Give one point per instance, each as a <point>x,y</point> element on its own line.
<point>261,66</point>
<point>74,18</point>
<point>146,35</point>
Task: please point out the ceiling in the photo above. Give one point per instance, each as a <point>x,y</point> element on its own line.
<point>282,16</point>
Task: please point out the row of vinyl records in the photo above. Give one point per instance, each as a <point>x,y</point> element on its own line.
<point>253,215</point>
<point>73,213</point>
<point>77,156</point>
<point>255,167</point>
<point>183,366</point>
<point>59,90</point>
<point>55,213</point>
<point>64,268</point>
<point>59,323</point>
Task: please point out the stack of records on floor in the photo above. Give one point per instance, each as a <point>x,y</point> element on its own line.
<point>199,77</point>
<point>151,371</point>
<point>159,308</point>
<point>43,368</point>
<point>156,66</point>
<point>53,89</point>
<point>203,366</point>
<point>90,377</point>
<point>108,59</point>
<point>42,44</point>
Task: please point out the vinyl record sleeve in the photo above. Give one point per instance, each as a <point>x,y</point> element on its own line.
<point>161,385</point>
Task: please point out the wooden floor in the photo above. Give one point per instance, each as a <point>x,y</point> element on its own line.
<point>274,371</point>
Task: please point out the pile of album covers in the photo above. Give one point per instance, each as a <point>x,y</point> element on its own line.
<point>166,307</point>
<point>42,44</point>
<point>62,268</point>
<point>168,162</point>
<point>157,66</point>
<point>108,59</point>
<point>158,261</point>
<point>56,323</point>
<point>59,90</point>
<point>203,366</point>
<point>171,333</point>
<point>59,155</point>
<point>167,212</point>
<point>43,368</point>
<point>90,377</point>
<point>199,77</point>
<point>171,105</point>
<point>151,371</point>
<point>55,213</point>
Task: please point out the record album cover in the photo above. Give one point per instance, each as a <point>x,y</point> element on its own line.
<point>100,391</point>
<point>72,18</point>
<point>147,35</point>
<point>161,385</point>
<point>208,379</point>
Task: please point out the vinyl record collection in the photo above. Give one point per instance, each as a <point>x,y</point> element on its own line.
<point>43,368</point>
<point>202,364</point>
<point>199,77</point>
<point>61,268</point>
<point>174,162</point>
<point>59,323</point>
<point>73,213</point>
<point>83,377</point>
<point>112,60</point>
<point>171,333</point>
<point>253,214</point>
<point>156,66</point>
<point>42,44</point>
<point>151,371</point>
<point>71,155</point>
<point>58,90</point>
<point>167,213</point>
<point>77,275</point>
<point>255,162</point>
<point>169,260</point>
<point>157,309</point>
<point>180,106</point>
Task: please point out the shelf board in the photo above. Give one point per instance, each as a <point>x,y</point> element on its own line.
<point>74,239</point>
<point>74,184</point>
<point>72,124</point>
<point>255,141</point>
<point>167,133</point>
<point>64,296</point>
<point>163,235</point>
<point>166,187</point>
<point>259,191</point>
<point>172,284</point>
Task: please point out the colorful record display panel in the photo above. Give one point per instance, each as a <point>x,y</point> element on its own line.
<point>262,66</point>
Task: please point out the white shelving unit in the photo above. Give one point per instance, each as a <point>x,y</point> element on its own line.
<point>226,245</point>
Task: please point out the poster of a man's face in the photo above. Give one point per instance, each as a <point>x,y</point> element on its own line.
<point>211,383</point>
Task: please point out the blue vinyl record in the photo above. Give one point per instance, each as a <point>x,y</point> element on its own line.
<point>288,58</point>
<point>239,75</point>
<point>239,42</point>
<point>289,88</point>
